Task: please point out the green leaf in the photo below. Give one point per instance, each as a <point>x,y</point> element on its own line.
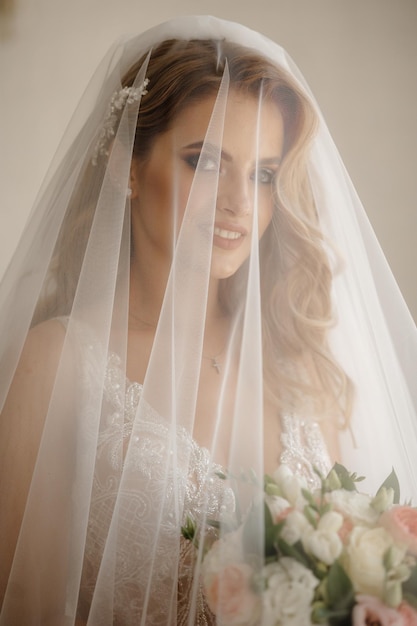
<point>334,618</point>
<point>271,489</point>
<point>255,543</point>
<point>347,479</point>
<point>269,480</point>
<point>221,475</point>
<point>214,523</point>
<point>271,539</point>
<point>325,508</point>
<point>189,529</point>
<point>295,550</point>
<point>271,533</point>
<point>410,585</point>
<point>340,618</point>
<point>319,613</point>
<point>391,482</point>
<point>340,592</point>
<point>308,496</point>
<point>411,599</point>
<point>332,481</point>
<point>311,515</point>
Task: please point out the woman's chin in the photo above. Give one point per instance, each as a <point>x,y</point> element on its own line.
<point>225,264</point>
<point>221,271</point>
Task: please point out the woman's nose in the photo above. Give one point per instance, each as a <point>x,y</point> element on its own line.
<point>235,195</point>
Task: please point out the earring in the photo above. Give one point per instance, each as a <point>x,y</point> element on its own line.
<point>128,192</point>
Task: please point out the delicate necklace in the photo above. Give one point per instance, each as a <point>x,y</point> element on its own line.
<point>144,322</point>
<point>214,362</point>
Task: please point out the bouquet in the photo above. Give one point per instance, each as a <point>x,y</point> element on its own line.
<point>330,555</point>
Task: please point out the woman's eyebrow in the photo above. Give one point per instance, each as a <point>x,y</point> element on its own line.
<point>275,160</point>
<point>210,147</point>
<point>213,149</point>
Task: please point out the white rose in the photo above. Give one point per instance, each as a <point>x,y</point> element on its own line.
<point>356,506</point>
<point>296,526</point>
<point>288,595</point>
<point>365,559</point>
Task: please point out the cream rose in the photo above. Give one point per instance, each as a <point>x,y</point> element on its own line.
<point>355,506</point>
<point>364,560</point>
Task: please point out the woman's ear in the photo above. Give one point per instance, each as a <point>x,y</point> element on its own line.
<point>134,179</point>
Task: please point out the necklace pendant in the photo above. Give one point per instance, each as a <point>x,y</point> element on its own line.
<point>215,364</point>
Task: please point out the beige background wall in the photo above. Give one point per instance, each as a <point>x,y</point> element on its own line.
<point>359,57</point>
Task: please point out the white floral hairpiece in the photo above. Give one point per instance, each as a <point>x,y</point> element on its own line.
<point>120,98</point>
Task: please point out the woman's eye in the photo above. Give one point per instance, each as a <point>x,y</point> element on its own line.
<point>264,175</point>
<point>206,162</point>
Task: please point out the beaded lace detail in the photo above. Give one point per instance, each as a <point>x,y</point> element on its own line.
<point>303,448</point>
<point>135,437</point>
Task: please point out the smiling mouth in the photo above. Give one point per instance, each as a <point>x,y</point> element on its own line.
<point>227,234</point>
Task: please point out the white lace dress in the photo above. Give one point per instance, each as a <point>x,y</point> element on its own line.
<point>302,448</point>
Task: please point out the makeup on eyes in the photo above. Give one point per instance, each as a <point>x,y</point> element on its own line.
<point>206,157</point>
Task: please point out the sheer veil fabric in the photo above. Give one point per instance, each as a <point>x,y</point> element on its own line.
<point>110,437</point>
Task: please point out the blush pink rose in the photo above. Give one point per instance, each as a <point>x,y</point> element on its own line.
<point>401,523</point>
<point>408,614</point>
<point>230,597</point>
<point>370,610</point>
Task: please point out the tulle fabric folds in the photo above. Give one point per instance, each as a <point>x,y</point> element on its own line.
<point>117,467</point>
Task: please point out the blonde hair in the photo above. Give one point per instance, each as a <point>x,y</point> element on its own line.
<point>295,270</point>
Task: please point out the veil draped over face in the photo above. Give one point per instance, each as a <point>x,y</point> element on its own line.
<point>102,467</point>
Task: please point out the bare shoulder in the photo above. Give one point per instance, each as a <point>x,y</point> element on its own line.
<point>44,343</point>
<point>33,381</point>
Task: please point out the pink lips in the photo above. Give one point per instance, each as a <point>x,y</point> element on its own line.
<point>228,236</point>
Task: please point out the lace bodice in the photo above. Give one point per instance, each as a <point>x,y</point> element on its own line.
<point>134,440</point>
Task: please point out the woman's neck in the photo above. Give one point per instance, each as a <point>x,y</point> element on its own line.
<point>147,288</point>
<point>148,282</point>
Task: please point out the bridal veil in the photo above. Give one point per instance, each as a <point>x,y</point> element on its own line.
<point>128,445</point>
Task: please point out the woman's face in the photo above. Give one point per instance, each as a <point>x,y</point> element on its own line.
<point>250,155</point>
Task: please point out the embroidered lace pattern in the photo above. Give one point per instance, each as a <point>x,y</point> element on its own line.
<point>141,444</point>
<point>303,448</point>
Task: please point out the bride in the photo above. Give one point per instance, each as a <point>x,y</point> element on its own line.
<point>198,291</point>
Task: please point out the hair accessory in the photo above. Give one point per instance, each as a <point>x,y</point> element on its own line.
<point>120,98</point>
